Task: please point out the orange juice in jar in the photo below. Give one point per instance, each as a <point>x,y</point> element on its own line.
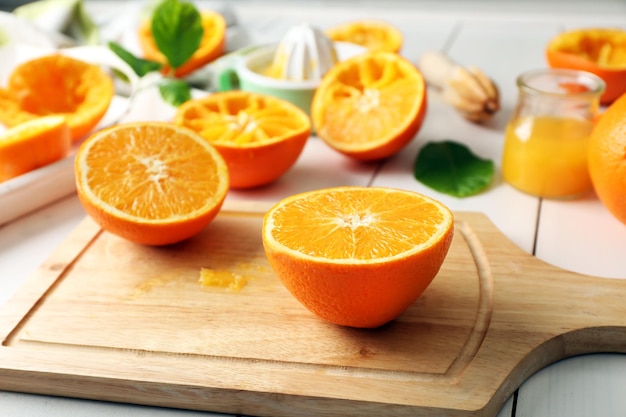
<point>545,147</point>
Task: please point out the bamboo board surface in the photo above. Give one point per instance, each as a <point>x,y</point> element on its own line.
<point>106,319</point>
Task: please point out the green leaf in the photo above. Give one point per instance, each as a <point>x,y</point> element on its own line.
<point>140,66</point>
<point>451,168</point>
<point>174,92</point>
<point>177,30</point>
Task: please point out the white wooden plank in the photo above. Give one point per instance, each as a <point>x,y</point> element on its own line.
<point>582,236</point>
<point>507,409</point>
<point>504,49</point>
<point>584,386</point>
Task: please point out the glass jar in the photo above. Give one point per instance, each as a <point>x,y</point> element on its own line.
<point>545,145</point>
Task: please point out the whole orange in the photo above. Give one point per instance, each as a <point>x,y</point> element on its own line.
<point>357,256</point>
<point>607,158</point>
<point>601,51</point>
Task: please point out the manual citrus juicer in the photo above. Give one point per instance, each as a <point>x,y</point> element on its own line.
<point>304,53</point>
<point>291,69</point>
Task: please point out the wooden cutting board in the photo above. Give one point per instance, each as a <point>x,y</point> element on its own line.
<point>106,319</point>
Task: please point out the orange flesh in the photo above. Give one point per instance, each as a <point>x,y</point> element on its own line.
<point>605,47</point>
<point>259,136</point>
<point>369,103</point>
<point>33,144</point>
<point>149,176</point>
<point>240,120</point>
<point>358,227</point>
<point>57,85</point>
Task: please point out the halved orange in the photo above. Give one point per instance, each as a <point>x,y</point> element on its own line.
<point>370,106</point>
<point>33,144</point>
<point>259,136</point>
<point>375,35</point>
<point>150,182</point>
<point>601,51</point>
<point>57,85</point>
<point>211,46</point>
<point>357,256</point>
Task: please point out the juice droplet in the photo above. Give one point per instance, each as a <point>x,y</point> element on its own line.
<point>222,279</point>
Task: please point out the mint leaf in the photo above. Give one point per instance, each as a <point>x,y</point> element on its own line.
<point>451,168</point>
<point>175,92</point>
<point>140,66</point>
<point>177,30</point>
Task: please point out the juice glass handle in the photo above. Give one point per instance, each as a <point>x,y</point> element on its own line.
<point>227,80</point>
<point>224,73</point>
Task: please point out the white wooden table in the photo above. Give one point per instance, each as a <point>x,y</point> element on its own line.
<point>503,38</point>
